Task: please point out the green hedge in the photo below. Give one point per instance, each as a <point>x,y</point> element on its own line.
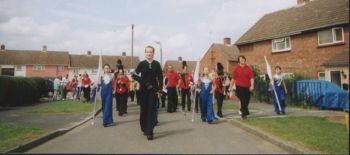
<point>19,91</point>
<point>261,92</point>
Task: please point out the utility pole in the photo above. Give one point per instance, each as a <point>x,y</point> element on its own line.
<point>132,44</point>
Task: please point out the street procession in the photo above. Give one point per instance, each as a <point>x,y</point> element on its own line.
<point>174,77</point>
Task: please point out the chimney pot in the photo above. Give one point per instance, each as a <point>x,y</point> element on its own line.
<point>180,58</point>
<point>88,52</point>
<point>44,48</point>
<point>303,1</point>
<point>124,54</point>
<point>227,41</point>
<point>2,47</point>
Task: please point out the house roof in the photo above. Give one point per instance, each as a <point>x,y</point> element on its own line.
<point>91,61</point>
<point>177,65</point>
<point>340,59</point>
<point>231,52</point>
<point>313,15</point>
<point>27,57</point>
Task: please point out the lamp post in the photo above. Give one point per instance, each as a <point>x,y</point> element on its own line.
<point>161,52</point>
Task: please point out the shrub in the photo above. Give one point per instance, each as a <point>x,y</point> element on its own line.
<point>18,91</point>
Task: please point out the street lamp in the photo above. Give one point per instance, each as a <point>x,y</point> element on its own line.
<point>161,52</point>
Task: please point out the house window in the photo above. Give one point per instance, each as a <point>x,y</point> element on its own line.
<point>321,76</point>
<point>75,71</point>
<point>38,67</point>
<point>94,72</point>
<point>330,36</point>
<point>60,68</point>
<point>19,68</point>
<point>281,44</point>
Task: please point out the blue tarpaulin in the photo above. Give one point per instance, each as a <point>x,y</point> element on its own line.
<point>324,94</point>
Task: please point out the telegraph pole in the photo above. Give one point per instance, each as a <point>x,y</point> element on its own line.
<point>132,44</point>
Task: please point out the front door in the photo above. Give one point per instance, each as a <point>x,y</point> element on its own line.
<point>336,78</point>
<point>8,71</point>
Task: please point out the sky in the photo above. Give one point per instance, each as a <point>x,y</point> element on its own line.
<point>185,28</point>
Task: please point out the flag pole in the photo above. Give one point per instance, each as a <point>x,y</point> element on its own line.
<point>269,73</point>
<point>195,79</point>
<point>97,81</point>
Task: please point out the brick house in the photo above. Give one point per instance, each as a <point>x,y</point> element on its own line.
<point>88,63</point>
<point>337,69</point>
<point>32,63</point>
<point>177,65</point>
<point>226,54</point>
<point>300,39</point>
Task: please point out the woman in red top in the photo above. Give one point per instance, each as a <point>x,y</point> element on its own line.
<point>219,91</point>
<point>121,90</point>
<point>243,78</point>
<point>86,86</point>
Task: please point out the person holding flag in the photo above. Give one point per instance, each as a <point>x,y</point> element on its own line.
<point>184,82</point>
<point>106,95</point>
<point>243,78</point>
<point>281,91</point>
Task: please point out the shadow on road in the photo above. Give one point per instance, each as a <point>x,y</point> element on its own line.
<point>172,132</point>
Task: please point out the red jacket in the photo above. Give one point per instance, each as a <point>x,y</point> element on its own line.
<point>242,76</point>
<point>173,78</point>
<point>218,85</point>
<point>188,79</point>
<point>121,86</point>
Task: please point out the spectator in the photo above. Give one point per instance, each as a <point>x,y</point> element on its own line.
<point>57,88</point>
<point>86,87</point>
<point>64,84</point>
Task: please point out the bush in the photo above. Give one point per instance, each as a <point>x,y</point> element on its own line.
<point>262,92</point>
<point>19,91</point>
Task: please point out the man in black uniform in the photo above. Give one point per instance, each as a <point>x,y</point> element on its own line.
<point>150,90</point>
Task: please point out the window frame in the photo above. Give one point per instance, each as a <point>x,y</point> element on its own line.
<point>285,43</point>
<point>19,67</point>
<point>36,67</point>
<point>324,76</point>
<point>60,68</point>
<point>333,36</point>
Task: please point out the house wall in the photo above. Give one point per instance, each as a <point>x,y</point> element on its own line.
<point>49,71</point>
<point>344,69</point>
<point>305,56</point>
<point>212,57</point>
<point>17,72</point>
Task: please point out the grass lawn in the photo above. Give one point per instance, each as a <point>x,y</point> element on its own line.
<point>13,135</point>
<point>315,133</point>
<point>64,107</point>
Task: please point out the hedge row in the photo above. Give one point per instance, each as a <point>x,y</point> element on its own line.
<point>19,91</point>
<point>261,86</point>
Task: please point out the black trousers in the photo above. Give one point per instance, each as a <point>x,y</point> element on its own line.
<point>163,98</point>
<point>132,95</point>
<point>196,101</point>
<point>244,96</point>
<point>138,97</point>
<point>172,99</point>
<point>219,100</point>
<point>86,92</point>
<point>185,93</point>
<point>148,114</point>
<point>121,100</point>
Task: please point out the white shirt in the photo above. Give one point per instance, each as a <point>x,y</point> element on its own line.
<point>106,78</point>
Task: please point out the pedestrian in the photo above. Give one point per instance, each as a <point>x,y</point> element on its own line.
<point>70,87</point>
<point>197,91</point>
<point>184,83</point>
<point>281,91</point>
<point>132,90</point>
<point>243,79</point>
<point>206,97</point>
<point>107,96</point>
<point>137,90</point>
<point>75,89</point>
<point>64,82</point>
<point>57,88</point>
<point>121,83</point>
<point>164,93</point>
<point>219,89</point>
<point>151,73</point>
<point>79,86</point>
<point>172,78</point>
<point>86,87</point>
<point>93,91</point>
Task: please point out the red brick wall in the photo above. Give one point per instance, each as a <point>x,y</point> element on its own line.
<point>305,56</point>
<point>50,71</point>
<point>212,57</point>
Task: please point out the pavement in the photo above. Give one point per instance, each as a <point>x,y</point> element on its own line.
<point>176,133</point>
<point>21,116</point>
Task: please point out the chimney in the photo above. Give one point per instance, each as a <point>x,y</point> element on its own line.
<point>88,53</point>
<point>303,1</point>
<point>179,59</point>
<point>44,48</point>
<point>124,54</point>
<point>2,47</point>
<point>227,41</point>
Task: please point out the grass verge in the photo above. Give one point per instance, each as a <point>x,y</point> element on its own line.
<point>64,107</point>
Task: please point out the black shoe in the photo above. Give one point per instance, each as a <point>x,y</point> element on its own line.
<point>149,137</point>
<point>244,117</point>
<point>283,113</point>
<point>203,120</point>
<point>210,122</point>
<point>278,113</point>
